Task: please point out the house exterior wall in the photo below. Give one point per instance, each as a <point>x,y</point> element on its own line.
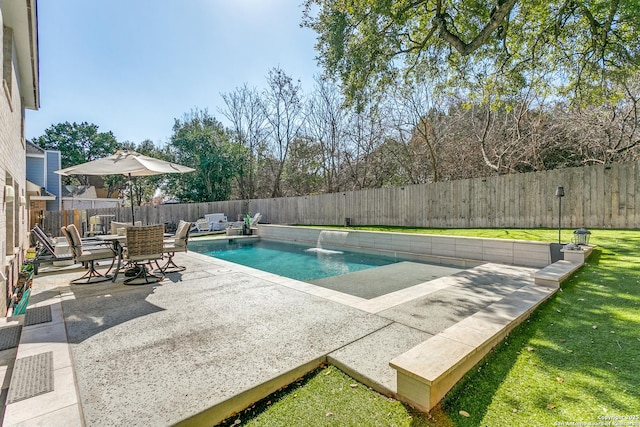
<point>35,169</point>
<point>13,214</point>
<point>40,171</point>
<point>12,172</point>
<point>53,181</point>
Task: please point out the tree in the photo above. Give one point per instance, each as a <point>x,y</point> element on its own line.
<point>302,174</point>
<point>366,132</point>
<point>145,187</point>
<point>201,142</point>
<point>569,46</point>
<point>246,112</point>
<point>77,143</point>
<point>326,123</point>
<point>416,120</point>
<point>284,113</point>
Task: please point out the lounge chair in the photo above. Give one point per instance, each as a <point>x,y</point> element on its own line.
<point>238,227</point>
<point>144,244</point>
<point>88,255</point>
<point>252,223</point>
<point>202,225</point>
<point>45,252</point>
<point>177,243</point>
<point>217,221</point>
<point>256,218</point>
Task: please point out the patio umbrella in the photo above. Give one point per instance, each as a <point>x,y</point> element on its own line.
<point>128,163</point>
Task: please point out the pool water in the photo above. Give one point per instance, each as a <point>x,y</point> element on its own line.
<point>290,260</point>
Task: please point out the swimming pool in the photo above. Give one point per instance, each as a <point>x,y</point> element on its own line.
<point>359,274</point>
<point>295,261</point>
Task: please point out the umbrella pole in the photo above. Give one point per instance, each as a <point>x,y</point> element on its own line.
<point>133,219</point>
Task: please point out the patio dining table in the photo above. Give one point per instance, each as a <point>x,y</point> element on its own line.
<point>119,242</point>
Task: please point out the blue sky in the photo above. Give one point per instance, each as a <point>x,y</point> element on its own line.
<point>133,66</point>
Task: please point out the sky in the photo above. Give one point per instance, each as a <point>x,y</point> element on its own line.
<point>134,66</point>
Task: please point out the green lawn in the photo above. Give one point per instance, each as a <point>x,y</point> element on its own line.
<point>576,360</point>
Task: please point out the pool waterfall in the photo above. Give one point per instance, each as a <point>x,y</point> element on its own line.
<point>329,238</point>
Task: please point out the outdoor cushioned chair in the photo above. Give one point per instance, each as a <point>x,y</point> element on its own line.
<point>177,243</point>
<point>115,225</point>
<point>88,255</point>
<point>144,245</point>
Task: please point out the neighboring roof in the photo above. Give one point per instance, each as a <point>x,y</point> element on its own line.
<point>47,196</point>
<point>33,148</point>
<point>79,191</point>
<point>22,17</point>
<point>35,192</point>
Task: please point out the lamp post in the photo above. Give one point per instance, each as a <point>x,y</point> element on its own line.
<point>560,195</point>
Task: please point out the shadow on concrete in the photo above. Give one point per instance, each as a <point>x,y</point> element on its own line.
<point>91,310</point>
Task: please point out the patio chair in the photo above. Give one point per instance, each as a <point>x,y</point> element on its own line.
<point>178,243</point>
<point>217,221</point>
<point>95,226</point>
<point>202,225</point>
<point>45,251</point>
<point>88,256</point>
<point>115,225</point>
<point>256,218</point>
<point>241,227</point>
<point>144,245</point>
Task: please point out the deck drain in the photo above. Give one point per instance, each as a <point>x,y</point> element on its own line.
<point>10,337</point>
<point>32,376</point>
<point>37,315</point>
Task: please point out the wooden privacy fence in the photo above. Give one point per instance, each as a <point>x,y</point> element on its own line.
<point>595,197</point>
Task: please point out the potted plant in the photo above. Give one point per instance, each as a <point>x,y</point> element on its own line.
<point>246,227</point>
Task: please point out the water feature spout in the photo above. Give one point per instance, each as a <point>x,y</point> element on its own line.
<point>328,238</point>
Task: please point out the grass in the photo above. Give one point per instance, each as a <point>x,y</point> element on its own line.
<point>328,397</point>
<point>575,360</point>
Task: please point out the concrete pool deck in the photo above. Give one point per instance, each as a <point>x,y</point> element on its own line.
<point>207,342</point>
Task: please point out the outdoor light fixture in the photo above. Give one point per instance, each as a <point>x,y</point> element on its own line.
<point>560,195</point>
<point>9,194</point>
<point>581,236</point>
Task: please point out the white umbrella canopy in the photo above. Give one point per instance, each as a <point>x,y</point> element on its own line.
<point>128,163</point>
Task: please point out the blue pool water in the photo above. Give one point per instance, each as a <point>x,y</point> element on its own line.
<point>290,260</point>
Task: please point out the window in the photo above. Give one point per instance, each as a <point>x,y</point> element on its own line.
<point>7,66</point>
<point>9,208</point>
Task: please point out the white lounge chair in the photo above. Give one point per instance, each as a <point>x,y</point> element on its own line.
<point>202,225</point>
<point>217,221</point>
<point>256,218</point>
<point>236,227</point>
